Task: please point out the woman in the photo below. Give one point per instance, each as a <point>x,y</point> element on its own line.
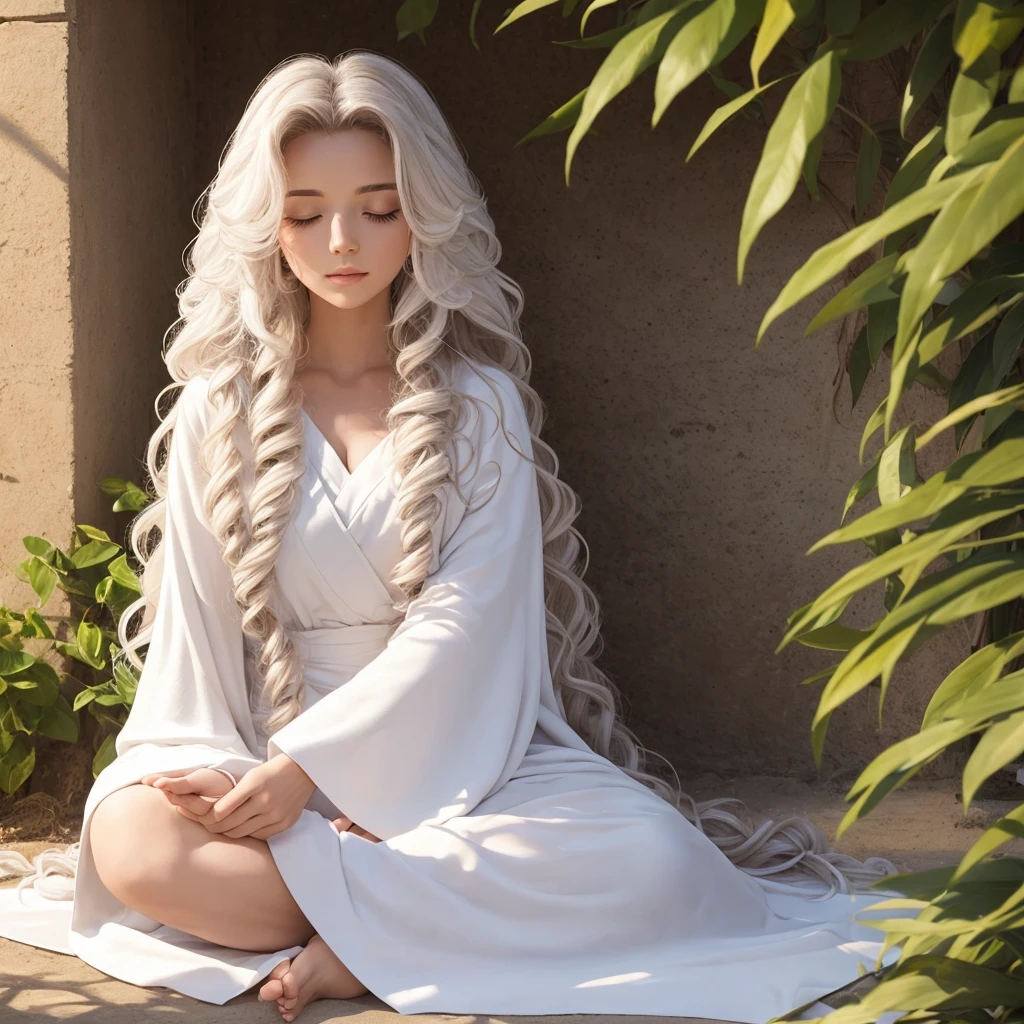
<point>370,748</point>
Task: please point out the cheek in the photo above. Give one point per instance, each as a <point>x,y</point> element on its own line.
<point>295,244</point>
<point>398,240</point>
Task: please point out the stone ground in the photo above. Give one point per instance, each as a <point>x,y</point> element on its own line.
<point>918,826</point>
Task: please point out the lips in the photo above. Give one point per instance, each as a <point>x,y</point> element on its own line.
<point>346,273</point>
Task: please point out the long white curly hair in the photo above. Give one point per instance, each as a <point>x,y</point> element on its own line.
<point>241,325</point>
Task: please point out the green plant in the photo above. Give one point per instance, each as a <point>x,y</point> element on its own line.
<point>99,583</point>
<point>938,263</point>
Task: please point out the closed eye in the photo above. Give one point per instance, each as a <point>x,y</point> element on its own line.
<point>301,222</point>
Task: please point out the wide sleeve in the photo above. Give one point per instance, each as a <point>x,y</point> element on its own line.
<point>442,717</point>
<point>191,703</point>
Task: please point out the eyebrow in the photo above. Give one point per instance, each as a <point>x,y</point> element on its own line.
<point>384,186</point>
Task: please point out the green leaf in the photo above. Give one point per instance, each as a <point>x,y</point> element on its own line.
<point>990,141</point>
<point>890,26</point>
<point>913,171</point>
<point>16,765</point>
<point>1009,826</point>
<point>37,683</point>
<point>39,546</point>
<point>133,499</point>
<point>561,119</point>
<point>991,467</point>
<point>869,159</point>
<point>818,730</point>
<point>126,682</point>
<point>35,625</point>
<point>874,656</point>
<point>830,259</point>
<point>1006,343</point>
<point>875,420</point>
<point>998,746</point>
<point>872,286</point>
<point>947,595</point>
<point>521,10</point>
<point>59,722</point>
<point>991,400</point>
<point>933,59</point>
<point>860,490</point>
<point>858,366</point>
<point>724,113</point>
<point>93,532</point>
<point>1016,90</point>
<point>970,100</point>
<point>593,6</point>
<point>414,16</point>
<point>105,755</point>
<point>42,577</point>
<point>12,662</point>
<point>83,697</point>
<point>987,29</point>
<point>897,470</point>
<point>925,265</point>
<point>122,573</point>
<point>881,326</point>
<point>991,197</point>
<point>979,304</point>
<point>778,16</point>
<point>833,637</point>
<point>977,672</point>
<point>631,55</point>
<point>90,643</point>
<point>706,38</point>
<point>804,114</point>
<point>972,381</point>
<point>93,553</point>
<point>895,765</point>
<point>841,16</point>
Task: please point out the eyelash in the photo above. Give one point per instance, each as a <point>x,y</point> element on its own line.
<point>379,217</point>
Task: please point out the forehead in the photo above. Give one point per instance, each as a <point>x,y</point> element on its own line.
<point>338,161</point>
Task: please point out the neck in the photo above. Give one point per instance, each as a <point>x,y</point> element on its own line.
<point>347,342</point>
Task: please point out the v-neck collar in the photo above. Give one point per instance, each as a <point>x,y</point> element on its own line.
<point>331,454</point>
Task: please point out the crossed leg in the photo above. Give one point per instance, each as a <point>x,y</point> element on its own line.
<point>227,891</point>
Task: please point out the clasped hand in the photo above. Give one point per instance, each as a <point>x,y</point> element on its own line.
<point>268,798</point>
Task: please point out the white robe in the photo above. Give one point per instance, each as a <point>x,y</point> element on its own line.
<point>519,871</point>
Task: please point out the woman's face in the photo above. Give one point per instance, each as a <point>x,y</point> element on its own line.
<point>342,212</point>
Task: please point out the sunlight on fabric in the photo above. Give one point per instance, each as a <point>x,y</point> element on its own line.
<point>615,979</point>
<point>420,992</point>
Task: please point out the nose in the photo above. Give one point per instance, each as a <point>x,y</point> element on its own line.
<point>342,236</point>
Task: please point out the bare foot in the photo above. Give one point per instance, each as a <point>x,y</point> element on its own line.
<point>315,973</point>
<point>273,988</point>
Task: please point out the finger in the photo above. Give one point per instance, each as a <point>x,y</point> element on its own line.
<point>153,776</point>
<point>267,832</point>
<point>249,827</point>
<point>247,812</point>
<point>231,801</point>
<point>177,785</point>
<point>191,801</point>
<point>186,813</point>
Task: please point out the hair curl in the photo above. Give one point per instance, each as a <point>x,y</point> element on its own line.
<point>242,315</point>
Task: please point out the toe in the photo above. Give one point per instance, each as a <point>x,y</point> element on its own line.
<point>270,991</point>
<point>291,990</point>
<point>273,988</point>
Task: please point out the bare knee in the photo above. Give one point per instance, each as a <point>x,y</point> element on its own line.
<point>132,835</point>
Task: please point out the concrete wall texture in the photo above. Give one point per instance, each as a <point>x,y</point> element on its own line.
<point>706,468</point>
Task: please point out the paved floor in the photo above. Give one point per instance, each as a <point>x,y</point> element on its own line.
<point>920,825</point>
